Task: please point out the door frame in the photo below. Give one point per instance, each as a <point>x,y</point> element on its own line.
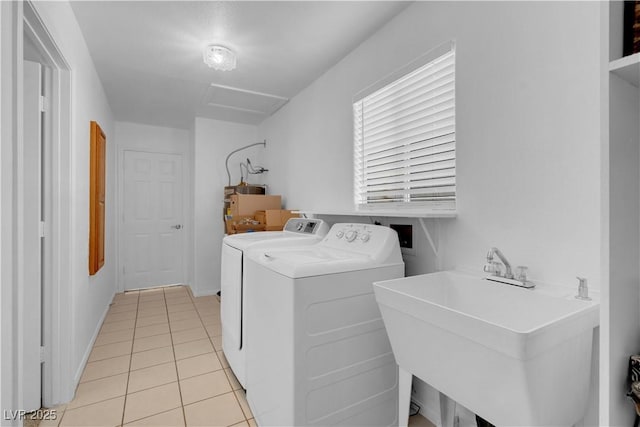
<point>186,201</point>
<point>57,375</point>
<point>16,18</point>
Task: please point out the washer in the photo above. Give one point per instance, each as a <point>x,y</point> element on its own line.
<point>297,232</point>
<point>319,351</point>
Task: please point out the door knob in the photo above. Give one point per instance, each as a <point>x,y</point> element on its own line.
<point>177,227</point>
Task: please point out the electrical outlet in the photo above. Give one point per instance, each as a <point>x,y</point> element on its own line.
<point>405,234</point>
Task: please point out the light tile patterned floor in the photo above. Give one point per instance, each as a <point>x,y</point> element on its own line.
<point>158,362</point>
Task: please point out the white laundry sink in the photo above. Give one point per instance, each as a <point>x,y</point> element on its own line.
<point>514,356</point>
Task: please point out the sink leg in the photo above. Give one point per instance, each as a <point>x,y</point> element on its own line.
<point>404,396</point>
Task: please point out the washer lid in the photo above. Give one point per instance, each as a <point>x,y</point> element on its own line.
<point>295,229</point>
<point>245,241</point>
<point>313,260</point>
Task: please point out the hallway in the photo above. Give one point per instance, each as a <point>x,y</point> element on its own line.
<point>158,361</point>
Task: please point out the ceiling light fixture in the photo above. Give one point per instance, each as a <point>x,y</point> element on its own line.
<point>219,57</point>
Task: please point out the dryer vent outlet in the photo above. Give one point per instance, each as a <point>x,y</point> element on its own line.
<point>405,234</point>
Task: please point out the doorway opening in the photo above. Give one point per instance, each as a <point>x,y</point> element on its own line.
<point>43,187</point>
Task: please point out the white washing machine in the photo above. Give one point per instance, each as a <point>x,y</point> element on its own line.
<point>297,232</point>
<point>319,351</point>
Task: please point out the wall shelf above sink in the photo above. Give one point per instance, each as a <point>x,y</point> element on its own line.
<point>384,213</point>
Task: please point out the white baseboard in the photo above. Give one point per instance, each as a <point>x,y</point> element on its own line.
<point>198,293</point>
<point>205,293</point>
<point>87,352</point>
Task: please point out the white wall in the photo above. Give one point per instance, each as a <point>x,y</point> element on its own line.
<point>90,295</point>
<point>214,140</point>
<point>156,139</point>
<point>529,142</point>
<point>528,133</point>
<point>527,126</point>
<point>8,129</point>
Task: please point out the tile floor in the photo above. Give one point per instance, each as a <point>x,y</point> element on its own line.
<point>158,361</point>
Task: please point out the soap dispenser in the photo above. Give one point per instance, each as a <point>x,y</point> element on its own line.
<point>583,289</point>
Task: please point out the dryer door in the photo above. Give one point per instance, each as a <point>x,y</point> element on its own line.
<point>231,298</point>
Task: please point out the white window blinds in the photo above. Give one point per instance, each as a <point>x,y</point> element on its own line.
<point>405,140</point>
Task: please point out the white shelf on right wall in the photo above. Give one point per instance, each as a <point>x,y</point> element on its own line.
<point>627,68</point>
<point>620,317</point>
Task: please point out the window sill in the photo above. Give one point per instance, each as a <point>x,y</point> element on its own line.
<point>428,213</point>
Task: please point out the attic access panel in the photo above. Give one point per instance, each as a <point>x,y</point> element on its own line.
<point>243,100</point>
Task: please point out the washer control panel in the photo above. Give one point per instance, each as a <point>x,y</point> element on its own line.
<point>366,239</point>
<point>354,233</point>
<point>307,226</point>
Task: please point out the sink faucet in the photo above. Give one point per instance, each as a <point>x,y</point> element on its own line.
<point>495,251</point>
<point>495,270</point>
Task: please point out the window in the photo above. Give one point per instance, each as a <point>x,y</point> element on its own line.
<point>405,139</point>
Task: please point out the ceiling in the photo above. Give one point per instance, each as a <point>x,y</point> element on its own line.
<point>149,54</point>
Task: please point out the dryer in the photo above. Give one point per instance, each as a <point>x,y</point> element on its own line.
<point>296,232</point>
<point>319,352</point>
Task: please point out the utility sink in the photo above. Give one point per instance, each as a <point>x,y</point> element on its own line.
<point>514,356</point>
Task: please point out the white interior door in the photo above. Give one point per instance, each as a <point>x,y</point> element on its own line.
<point>152,219</point>
<point>32,234</point>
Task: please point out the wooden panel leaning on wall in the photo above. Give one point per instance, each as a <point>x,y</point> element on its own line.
<point>97,177</point>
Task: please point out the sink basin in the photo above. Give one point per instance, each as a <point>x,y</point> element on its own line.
<point>514,356</point>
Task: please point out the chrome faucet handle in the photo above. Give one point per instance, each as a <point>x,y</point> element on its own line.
<point>493,268</point>
<point>490,255</point>
<point>521,273</point>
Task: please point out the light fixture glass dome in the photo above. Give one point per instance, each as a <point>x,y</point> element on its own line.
<point>219,57</point>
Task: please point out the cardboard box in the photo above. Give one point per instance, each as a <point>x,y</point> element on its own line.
<point>242,224</point>
<point>247,228</point>
<point>248,204</point>
<point>268,217</point>
<point>244,189</point>
<point>285,215</point>
<point>275,219</point>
